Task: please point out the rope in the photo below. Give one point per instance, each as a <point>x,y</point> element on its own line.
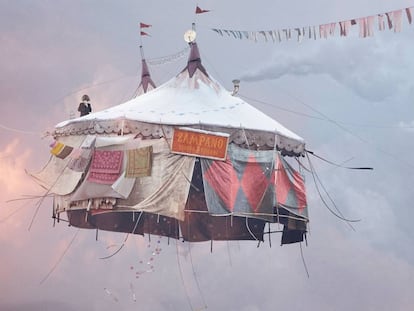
<point>168,58</point>
<point>60,258</point>
<point>248,228</point>
<point>338,165</point>
<point>39,204</point>
<point>182,277</point>
<point>45,195</point>
<point>303,259</point>
<point>332,201</point>
<point>282,108</point>
<point>18,131</point>
<point>189,181</point>
<point>196,280</point>
<point>340,125</point>
<point>340,216</point>
<point>125,240</point>
<point>245,137</point>
<point>28,197</point>
<point>227,242</point>
<point>91,86</point>
<point>13,212</point>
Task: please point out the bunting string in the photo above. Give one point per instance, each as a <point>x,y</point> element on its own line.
<point>366,25</point>
<point>168,58</point>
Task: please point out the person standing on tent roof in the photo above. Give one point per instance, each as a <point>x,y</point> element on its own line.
<point>85,106</point>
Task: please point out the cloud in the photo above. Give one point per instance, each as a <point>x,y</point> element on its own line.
<point>406,126</point>
<point>374,68</point>
<point>44,305</point>
<point>14,158</point>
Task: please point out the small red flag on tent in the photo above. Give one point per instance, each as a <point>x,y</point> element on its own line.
<point>143,33</point>
<point>142,25</point>
<point>199,11</point>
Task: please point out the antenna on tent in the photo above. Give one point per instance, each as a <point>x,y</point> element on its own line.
<point>141,49</point>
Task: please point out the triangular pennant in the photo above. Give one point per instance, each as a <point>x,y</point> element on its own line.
<point>199,10</point>
<point>142,25</point>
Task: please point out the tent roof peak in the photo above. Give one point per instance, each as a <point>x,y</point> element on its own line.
<point>146,80</point>
<point>194,61</point>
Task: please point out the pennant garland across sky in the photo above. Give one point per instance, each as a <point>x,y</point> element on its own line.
<point>366,25</point>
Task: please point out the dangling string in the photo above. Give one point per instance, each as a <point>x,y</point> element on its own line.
<point>17,130</point>
<point>60,258</point>
<point>196,279</point>
<point>274,181</point>
<point>303,259</point>
<point>245,137</point>
<point>339,165</point>
<point>182,276</point>
<point>125,240</point>
<point>28,197</point>
<point>227,234</point>
<point>15,211</point>
<point>339,214</point>
<point>168,58</point>
<point>248,228</point>
<point>189,181</point>
<point>42,198</point>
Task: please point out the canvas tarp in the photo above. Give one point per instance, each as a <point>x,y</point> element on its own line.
<point>290,188</point>
<point>56,176</point>
<point>165,191</point>
<point>242,185</point>
<point>199,225</point>
<point>61,176</point>
<point>251,183</point>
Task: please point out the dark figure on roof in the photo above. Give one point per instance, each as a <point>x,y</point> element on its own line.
<point>85,106</point>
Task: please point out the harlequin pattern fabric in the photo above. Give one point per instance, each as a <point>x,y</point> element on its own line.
<point>251,183</point>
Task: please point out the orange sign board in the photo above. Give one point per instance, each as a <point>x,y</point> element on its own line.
<point>200,143</point>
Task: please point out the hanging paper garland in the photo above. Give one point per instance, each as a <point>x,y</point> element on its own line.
<point>147,266</point>
<point>392,20</point>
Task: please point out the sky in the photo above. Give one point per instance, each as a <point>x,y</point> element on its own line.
<point>350,98</point>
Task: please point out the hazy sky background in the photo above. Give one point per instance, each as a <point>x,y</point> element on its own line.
<point>351,99</point>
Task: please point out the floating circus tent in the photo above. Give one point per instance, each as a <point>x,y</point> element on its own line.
<point>188,160</point>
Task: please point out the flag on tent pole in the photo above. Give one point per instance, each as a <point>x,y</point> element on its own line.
<point>199,10</point>
<point>60,150</point>
<point>142,25</point>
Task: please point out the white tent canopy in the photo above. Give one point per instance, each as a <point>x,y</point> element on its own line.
<point>194,99</point>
